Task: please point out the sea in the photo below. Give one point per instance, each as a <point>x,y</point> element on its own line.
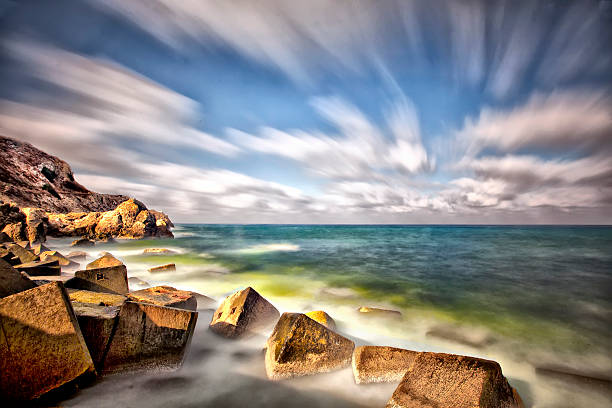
<point>537,299</point>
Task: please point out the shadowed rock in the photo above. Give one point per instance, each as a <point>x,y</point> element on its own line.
<point>163,268</point>
<point>242,312</point>
<point>61,259</point>
<point>37,249</point>
<point>40,268</point>
<point>21,254</point>
<point>165,296</point>
<point>12,281</point>
<point>149,336</point>
<point>300,346</point>
<point>97,323</point>
<point>82,242</point>
<point>451,381</point>
<point>41,346</point>
<point>110,280</point>
<point>374,364</point>
<point>105,261</point>
<point>43,280</point>
<point>323,318</point>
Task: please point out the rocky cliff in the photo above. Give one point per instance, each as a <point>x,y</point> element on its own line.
<point>39,196</point>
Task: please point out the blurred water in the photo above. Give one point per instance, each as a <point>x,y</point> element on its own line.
<point>527,296</point>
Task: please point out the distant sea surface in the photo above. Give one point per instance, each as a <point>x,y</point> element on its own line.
<point>536,298</point>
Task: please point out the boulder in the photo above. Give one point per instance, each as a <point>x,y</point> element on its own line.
<point>12,281</point>
<point>15,231</point>
<point>110,280</point>
<point>243,312</point>
<point>108,225</point>
<point>21,254</point>
<point>163,268</point>
<point>41,345</point>
<point>82,242</point>
<point>374,364</point>
<point>204,302</point>
<point>165,296</point>
<point>374,311</point>
<point>157,251</point>
<point>96,323</point>
<point>40,268</point>
<point>149,336</point>
<point>323,318</point>
<point>134,281</point>
<point>300,346</point>
<point>61,259</point>
<point>77,256</point>
<point>105,261</point>
<point>453,381</point>
<point>36,224</point>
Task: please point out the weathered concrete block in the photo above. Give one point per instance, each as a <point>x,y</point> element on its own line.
<point>43,280</point>
<point>61,259</point>
<point>40,268</point>
<point>21,253</point>
<point>374,364</point>
<point>105,261</point>
<point>110,280</point>
<point>12,281</point>
<point>377,312</point>
<point>163,268</point>
<point>453,381</point>
<point>41,345</point>
<point>97,323</point>
<point>95,298</point>
<point>165,296</point>
<point>242,312</point>
<point>300,346</point>
<point>149,336</point>
<point>322,317</point>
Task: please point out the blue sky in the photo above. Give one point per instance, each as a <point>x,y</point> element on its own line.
<point>321,112</point>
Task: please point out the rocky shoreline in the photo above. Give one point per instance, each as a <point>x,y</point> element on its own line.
<point>65,329</point>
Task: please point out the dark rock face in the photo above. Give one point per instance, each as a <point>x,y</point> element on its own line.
<point>110,280</point>
<point>41,345</point>
<point>30,177</point>
<point>165,296</point>
<point>300,346</point>
<point>373,364</point>
<point>149,336</point>
<point>453,381</point>
<point>11,281</point>
<point>96,323</point>
<point>41,268</point>
<point>243,312</point>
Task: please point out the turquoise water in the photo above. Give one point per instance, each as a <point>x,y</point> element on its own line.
<point>530,297</point>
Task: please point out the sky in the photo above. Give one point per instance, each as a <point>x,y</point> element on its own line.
<point>321,111</point>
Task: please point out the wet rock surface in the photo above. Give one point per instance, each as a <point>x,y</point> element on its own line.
<point>243,312</point>
<point>163,268</point>
<point>300,346</point>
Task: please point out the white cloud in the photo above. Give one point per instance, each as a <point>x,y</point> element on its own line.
<point>361,150</point>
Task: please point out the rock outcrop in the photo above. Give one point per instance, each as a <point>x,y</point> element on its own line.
<point>374,364</point>
<point>30,177</point>
<point>300,346</point>
<point>39,196</point>
<point>243,312</point>
<point>41,345</point>
<point>453,381</point>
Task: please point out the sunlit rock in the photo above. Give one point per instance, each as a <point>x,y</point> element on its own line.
<point>165,296</point>
<point>112,280</point>
<point>300,346</point>
<point>163,268</point>
<point>243,312</point>
<point>41,345</point>
<point>374,364</point>
<point>105,261</point>
<point>323,318</point>
<point>453,381</point>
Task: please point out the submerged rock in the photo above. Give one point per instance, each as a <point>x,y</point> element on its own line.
<point>105,261</point>
<point>453,381</point>
<point>473,336</point>
<point>12,281</point>
<point>374,311</point>
<point>374,364</point>
<point>164,268</point>
<point>321,317</point>
<point>156,251</point>
<point>243,312</point>
<point>41,268</point>
<point>77,255</point>
<point>82,242</point>
<point>165,296</point>
<point>149,336</point>
<point>111,280</point>
<point>134,281</point>
<point>41,345</point>
<point>300,346</point>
